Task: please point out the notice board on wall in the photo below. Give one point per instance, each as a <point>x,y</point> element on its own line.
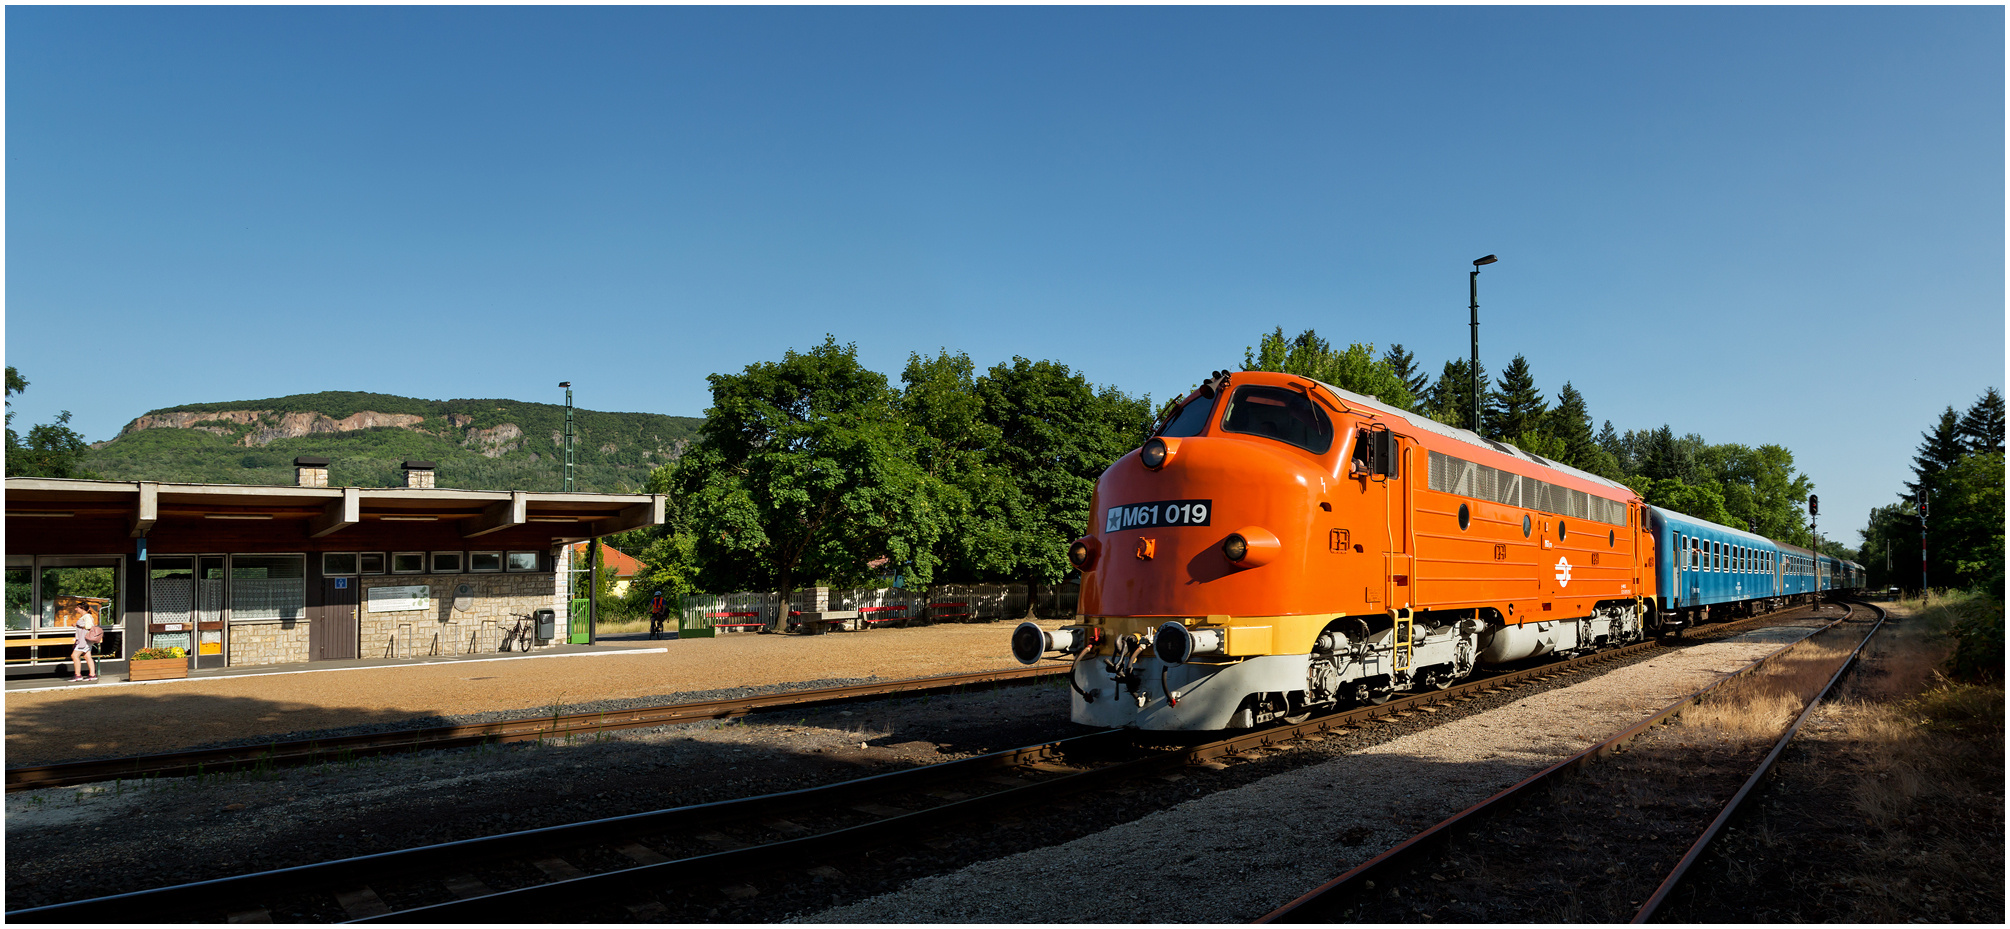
<point>394,599</point>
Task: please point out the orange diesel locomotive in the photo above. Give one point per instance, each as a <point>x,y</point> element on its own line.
<point>1282,546</point>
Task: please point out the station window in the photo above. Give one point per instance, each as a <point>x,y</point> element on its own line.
<point>485,561</point>
<point>523,561</point>
<point>370,563</point>
<point>408,562</point>
<point>446,562</point>
<point>338,564</point>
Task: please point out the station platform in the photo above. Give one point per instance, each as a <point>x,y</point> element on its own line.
<point>50,720</point>
<point>112,673</point>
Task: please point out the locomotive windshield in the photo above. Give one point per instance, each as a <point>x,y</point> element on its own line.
<point>1277,413</point>
<point>1192,418</point>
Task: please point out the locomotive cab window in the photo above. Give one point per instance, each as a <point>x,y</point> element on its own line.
<point>1191,420</point>
<point>1276,413</point>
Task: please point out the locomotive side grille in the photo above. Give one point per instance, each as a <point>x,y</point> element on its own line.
<point>1470,479</point>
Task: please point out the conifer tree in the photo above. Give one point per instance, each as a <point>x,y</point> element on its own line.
<point>1942,448</point>
<point>1982,425</point>
<point>1609,440</point>
<point>1450,399</point>
<point>1514,406</point>
<point>1404,365</point>
<point>1570,423</point>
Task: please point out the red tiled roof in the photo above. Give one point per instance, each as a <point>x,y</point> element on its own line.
<point>616,560</point>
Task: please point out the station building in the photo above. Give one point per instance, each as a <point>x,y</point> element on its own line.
<point>240,575</point>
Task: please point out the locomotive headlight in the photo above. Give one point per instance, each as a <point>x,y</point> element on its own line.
<point>1251,546</point>
<point>1082,554</point>
<point>1157,452</point>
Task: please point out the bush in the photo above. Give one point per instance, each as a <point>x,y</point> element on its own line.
<point>1975,622</point>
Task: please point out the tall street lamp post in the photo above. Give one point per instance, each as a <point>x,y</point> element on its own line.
<point>1474,280</point>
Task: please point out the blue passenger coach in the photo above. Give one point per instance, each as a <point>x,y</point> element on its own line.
<point>1705,571</point>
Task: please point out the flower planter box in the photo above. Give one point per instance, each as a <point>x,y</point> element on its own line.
<point>156,669</point>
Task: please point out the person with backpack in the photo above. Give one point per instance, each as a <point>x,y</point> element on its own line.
<point>89,634</point>
<point>659,609</point>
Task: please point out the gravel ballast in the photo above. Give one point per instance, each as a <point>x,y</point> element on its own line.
<point>1234,855</point>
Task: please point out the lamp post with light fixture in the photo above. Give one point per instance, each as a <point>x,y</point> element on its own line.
<point>1474,280</point>
<point>567,486</point>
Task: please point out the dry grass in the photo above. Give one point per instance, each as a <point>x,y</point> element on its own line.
<point>1894,788</point>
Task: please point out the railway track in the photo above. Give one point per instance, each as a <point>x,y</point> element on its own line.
<point>343,748</point>
<point>629,860</point>
<point>1401,866</point>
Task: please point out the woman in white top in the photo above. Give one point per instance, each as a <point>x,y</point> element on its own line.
<point>80,654</point>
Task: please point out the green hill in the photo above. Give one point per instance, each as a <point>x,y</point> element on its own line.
<point>479,444</point>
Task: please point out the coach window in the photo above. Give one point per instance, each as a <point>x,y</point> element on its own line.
<point>1276,413</point>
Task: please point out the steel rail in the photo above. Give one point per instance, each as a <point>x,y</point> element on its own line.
<point>1315,905</point>
<point>152,905</point>
<point>339,748</point>
<point>1674,879</point>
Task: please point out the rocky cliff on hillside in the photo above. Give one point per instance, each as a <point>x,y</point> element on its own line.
<point>267,426</point>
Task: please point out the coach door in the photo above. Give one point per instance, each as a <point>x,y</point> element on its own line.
<point>331,632</point>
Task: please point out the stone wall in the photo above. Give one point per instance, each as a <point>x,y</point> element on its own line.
<point>270,641</point>
<point>493,607</point>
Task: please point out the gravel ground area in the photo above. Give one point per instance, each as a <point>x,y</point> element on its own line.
<point>111,719</point>
<point>1233,855</point>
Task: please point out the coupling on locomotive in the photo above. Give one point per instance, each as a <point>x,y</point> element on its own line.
<point>1281,547</point>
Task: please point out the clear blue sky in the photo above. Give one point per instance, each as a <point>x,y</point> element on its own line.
<point>1757,224</point>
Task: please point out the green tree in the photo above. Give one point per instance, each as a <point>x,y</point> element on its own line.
<point>1942,448</point>
<point>806,472</point>
<point>1616,447</point>
<point>1057,433</point>
<point>1353,368</point>
<point>956,444</point>
<point>1404,365</point>
<point>1982,425</point>
<point>1514,407</point>
<point>1702,502</point>
<point>1450,399</point>
<point>1968,522</point>
<point>1570,424</point>
<point>1760,488</point>
<point>52,450</point>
